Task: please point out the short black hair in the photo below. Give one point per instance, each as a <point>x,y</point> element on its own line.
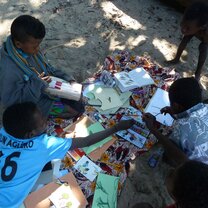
<point>18,119</point>
<point>197,11</point>
<point>26,26</point>
<point>186,92</point>
<point>191,185</point>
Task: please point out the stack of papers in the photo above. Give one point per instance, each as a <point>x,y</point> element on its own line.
<point>136,78</point>
<point>106,191</point>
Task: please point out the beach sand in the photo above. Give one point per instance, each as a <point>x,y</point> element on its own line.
<point>81,33</point>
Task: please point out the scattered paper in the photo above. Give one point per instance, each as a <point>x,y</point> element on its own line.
<point>136,78</point>
<point>93,128</point>
<point>108,98</point>
<point>63,197</point>
<point>87,168</point>
<point>106,191</point>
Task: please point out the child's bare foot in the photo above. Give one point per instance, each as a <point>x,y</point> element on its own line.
<point>173,61</point>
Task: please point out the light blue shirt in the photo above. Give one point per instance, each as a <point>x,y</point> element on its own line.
<point>21,162</point>
<point>190,132</point>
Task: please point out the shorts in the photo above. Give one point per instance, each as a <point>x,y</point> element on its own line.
<point>59,106</point>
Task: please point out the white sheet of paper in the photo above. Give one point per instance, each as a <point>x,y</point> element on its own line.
<point>64,197</point>
<point>159,100</point>
<point>87,168</point>
<point>141,77</point>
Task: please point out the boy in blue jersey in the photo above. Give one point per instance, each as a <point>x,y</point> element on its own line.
<point>25,148</point>
<point>25,73</point>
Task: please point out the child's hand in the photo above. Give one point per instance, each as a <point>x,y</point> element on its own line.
<point>45,78</point>
<point>166,110</point>
<point>123,125</point>
<point>150,121</point>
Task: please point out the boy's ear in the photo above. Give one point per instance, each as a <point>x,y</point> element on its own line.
<point>30,134</point>
<point>18,44</point>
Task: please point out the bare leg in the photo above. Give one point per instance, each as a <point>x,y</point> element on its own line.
<point>181,47</point>
<point>202,58</point>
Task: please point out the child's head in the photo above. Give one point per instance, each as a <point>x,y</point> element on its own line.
<point>23,120</point>
<point>27,33</point>
<point>195,18</point>
<point>184,93</point>
<point>188,185</point>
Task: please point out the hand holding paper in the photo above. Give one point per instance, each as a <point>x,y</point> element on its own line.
<point>150,121</point>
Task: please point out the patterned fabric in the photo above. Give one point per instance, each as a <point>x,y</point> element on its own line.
<point>115,161</point>
<point>190,132</point>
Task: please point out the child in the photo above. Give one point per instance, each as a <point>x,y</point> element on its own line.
<point>187,185</point>
<point>25,148</point>
<point>25,73</point>
<point>189,132</point>
<point>195,23</point>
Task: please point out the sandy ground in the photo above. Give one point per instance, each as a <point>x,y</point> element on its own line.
<point>81,33</point>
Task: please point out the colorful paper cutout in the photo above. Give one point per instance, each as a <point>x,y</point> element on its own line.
<point>105,192</point>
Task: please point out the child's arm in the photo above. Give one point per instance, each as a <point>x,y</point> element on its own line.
<point>94,138</point>
<point>171,150</point>
<point>60,74</point>
<point>202,58</point>
<point>181,47</point>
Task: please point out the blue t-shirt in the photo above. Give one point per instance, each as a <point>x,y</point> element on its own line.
<point>21,162</point>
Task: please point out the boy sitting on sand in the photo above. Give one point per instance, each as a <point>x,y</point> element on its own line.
<point>25,148</point>
<point>188,139</point>
<point>25,73</point>
<point>195,23</point>
<point>187,185</point>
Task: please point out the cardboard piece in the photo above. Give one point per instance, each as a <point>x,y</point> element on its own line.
<point>93,128</point>
<point>40,198</point>
<point>97,153</point>
<point>79,129</point>
<point>106,191</point>
<point>158,101</point>
<point>138,133</point>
